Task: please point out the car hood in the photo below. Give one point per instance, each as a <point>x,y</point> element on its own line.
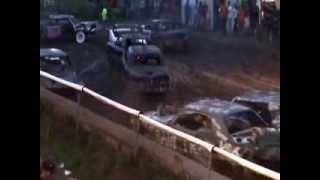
<point>88,22</point>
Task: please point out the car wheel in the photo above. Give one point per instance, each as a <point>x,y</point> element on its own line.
<point>80,37</point>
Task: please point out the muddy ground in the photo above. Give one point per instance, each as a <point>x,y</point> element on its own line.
<point>214,66</point>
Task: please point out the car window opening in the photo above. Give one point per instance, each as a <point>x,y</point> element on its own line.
<point>193,121</point>
<point>152,61</point>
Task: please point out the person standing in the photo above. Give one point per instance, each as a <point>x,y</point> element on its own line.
<point>47,170</point>
<point>198,14</point>
<point>223,11</point>
<point>204,12</point>
<point>232,15</point>
<point>104,14</point>
<point>241,19</point>
<point>187,12</point>
<point>253,15</point>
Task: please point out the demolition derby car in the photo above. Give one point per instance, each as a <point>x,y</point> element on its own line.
<point>66,27</point>
<point>167,34</point>
<point>56,62</point>
<point>143,66</point>
<point>265,103</point>
<point>234,127</point>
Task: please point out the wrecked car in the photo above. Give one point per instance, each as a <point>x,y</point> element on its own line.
<point>56,62</point>
<point>65,27</point>
<point>265,103</point>
<point>216,115</point>
<point>143,66</point>
<point>167,34</point>
<point>228,125</point>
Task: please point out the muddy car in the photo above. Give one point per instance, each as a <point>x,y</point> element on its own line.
<point>265,103</point>
<point>209,116</point>
<point>56,62</point>
<point>167,34</point>
<point>66,27</point>
<point>231,126</point>
<point>115,37</point>
<point>144,67</point>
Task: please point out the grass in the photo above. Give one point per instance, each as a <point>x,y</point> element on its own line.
<point>87,155</point>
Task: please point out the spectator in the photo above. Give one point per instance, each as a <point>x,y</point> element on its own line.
<point>241,19</point>
<point>104,14</point>
<point>204,11</point>
<point>47,171</point>
<point>253,15</point>
<point>198,11</point>
<point>223,10</point>
<point>187,10</point>
<point>232,15</point>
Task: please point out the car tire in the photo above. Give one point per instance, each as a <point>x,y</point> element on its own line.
<point>80,37</point>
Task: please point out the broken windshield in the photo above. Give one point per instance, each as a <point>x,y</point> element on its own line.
<point>242,120</point>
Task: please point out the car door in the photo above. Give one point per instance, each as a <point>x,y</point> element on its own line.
<point>66,27</point>
<point>53,29</point>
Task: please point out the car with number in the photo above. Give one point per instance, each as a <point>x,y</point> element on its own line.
<point>115,37</point>
<point>144,66</point>
<point>62,26</point>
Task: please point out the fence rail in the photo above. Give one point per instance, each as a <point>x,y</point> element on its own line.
<point>140,117</point>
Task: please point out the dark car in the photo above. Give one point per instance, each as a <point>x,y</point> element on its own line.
<point>115,36</point>
<point>231,126</point>
<point>167,34</point>
<point>144,66</point>
<point>66,26</point>
<point>56,62</point>
<point>265,103</point>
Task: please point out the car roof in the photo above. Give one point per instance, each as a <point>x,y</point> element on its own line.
<point>216,107</point>
<point>261,97</point>
<point>60,16</point>
<point>125,25</point>
<point>52,52</point>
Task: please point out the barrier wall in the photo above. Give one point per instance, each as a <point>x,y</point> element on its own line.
<point>129,129</point>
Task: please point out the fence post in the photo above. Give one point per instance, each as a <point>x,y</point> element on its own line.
<point>137,129</point>
<point>77,114</point>
<point>209,165</point>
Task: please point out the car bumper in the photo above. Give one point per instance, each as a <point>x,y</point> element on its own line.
<point>151,88</point>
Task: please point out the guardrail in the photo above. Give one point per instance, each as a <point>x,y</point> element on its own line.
<point>140,117</point>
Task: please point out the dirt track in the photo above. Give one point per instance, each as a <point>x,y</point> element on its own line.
<point>214,67</point>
